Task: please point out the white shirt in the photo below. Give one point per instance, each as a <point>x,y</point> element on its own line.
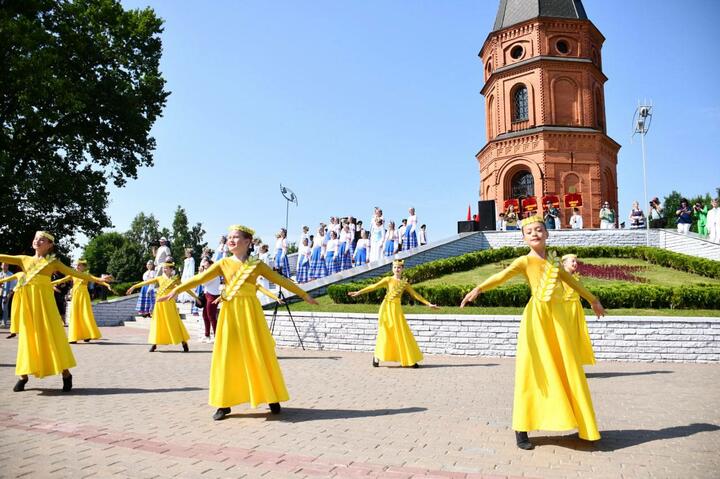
<point>363,243</point>
<point>391,235</point>
<point>280,243</point>
<point>317,241</point>
<point>213,286</point>
<point>162,254</point>
<point>422,237</point>
<point>150,274</point>
<point>576,222</point>
<point>304,251</point>
<point>412,223</point>
<point>713,224</point>
<point>332,245</point>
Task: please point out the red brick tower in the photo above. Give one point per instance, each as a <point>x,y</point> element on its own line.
<point>545,108</point>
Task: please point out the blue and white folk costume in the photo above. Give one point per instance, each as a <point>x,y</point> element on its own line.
<point>345,252</point>
<point>318,268</point>
<point>361,249</point>
<point>391,237</point>
<point>410,241</point>
<point>303,269</point>
<point>281,260</point>
<point>146,300</point>
<point>332,260</point>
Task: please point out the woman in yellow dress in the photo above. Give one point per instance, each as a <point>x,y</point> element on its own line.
<point>43,349</point>
<point>395,340</point>
<point>551,391</point>
<point>166,327</point>
<point>13,310</point>
<point>244,366</point>
<point>82,324</point>
<point>578,326</point>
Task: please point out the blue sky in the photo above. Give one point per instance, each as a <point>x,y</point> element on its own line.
<point>360,103</point>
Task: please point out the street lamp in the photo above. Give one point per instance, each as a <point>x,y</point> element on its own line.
<point>641,125</point>
<point>290,197</point>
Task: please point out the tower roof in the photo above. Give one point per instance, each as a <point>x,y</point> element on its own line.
<point>517,11</point>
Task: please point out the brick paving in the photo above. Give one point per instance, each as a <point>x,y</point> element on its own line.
<point>140,415</point>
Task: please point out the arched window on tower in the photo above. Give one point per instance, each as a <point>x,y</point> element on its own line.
<point>520,103</point>
<point>522,185</point>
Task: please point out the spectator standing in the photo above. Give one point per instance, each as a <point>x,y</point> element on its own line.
<point>713,222</point>
<point>500,224</point>
<point>221,250</point>
<point>552,215</point>
<point>422,235</point>
<point>700,213</point>
<point>402,234</point>
<point>211,290</point>
<point>636,217</point>
<point>187,273</point>
<point>411,239</point>
<point>576,221</point>
<point>684,217</point>
<point>511,219</point>
<point>6,293</point>
<point>656,214</point>
<point>607,217</point>
<point>161,256</point>
<point>146,298</point>
<point>377,234</point>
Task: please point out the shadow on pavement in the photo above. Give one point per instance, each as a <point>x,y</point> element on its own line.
<point>293,414</point>
<point>619,374</point>
<point>333,358</point>
<point>110,391</point>
<point>432,366</point>
<point>621,439</point>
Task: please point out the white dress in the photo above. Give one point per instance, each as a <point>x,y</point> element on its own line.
<point>377,235</point>
<point>188,272</point>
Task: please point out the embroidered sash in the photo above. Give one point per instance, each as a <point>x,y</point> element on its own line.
<point>238,279</point>
<point>167,287</point>
<point>37,266</point>
<point>548,282</point>
<point>396,290</point>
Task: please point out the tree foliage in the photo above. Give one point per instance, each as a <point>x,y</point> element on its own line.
<point>100,250</point>
<point>144,232</point>
<point>80,90</point>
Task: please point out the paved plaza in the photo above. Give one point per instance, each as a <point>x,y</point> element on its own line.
<point>140,415</point>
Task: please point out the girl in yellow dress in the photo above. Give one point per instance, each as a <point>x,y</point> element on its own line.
<point>395,340</point>
<point>244,365</point>
<point>13,310</point>
<point>551,391</point>
<point>166,327</point>
<point>82,324</point>
<point>578,326</point>
<point>43,349</point>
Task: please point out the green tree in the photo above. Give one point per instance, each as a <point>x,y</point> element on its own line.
<point>144,232</point>
<point>80,89</point>
<point>126,263</point>
<point>100,250</point>
<point>197,235</point>
<point>181,238</point>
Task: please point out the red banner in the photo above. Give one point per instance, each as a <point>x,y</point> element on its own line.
<point>513,201</point>
<point>573,200</point>
<point>529,203</point>
<point>554,199</point>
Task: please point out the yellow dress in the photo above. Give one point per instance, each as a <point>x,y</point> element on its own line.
<point>244,366</point>
<point>578,326</point>
<point>13,311</point>
<point>395,340</point>
<point>43,349</point>
<point>82,323</point>
<point>551,391</point>
<point>166,327</point>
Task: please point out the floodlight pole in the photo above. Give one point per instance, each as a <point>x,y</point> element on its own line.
<point>643,117</point>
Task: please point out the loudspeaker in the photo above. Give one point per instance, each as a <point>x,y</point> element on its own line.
<point>467,226</point>
<point>486,211</point>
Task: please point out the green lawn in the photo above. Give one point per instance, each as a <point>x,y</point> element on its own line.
<point>655,274</point>
<point>326,305</point>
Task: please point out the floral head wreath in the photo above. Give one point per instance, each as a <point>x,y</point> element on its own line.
<point>399,262</point>
<point>168,264</point>
<point>46,234</point>
<point>531,220</point>
<point>568,256</point>
<point>242,228</point>
<point>81,261</point>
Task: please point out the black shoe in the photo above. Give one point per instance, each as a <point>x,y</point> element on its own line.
<point>73,342</point>
<point>523,442</point>
<point>86,340</point>
<point>20,385</point>
<point>376,362</point>
<point>67,383</point>
<point>221,413</point>
<point>415,366</point>
<point>11,335</point>
<point>153,348</point>
<point>274,407</point>
<point>185,347</point>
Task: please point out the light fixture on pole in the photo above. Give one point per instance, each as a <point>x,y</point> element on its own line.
<point>290,197</point>
<point>641,125</point>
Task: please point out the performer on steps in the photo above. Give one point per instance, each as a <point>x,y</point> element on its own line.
<point>166,327</point>
<point>43,349</point>
<point>551,391</point>
<point>395,340</point>
<point>11,311</point>
<point>244,366</point>
<point>82,325</point>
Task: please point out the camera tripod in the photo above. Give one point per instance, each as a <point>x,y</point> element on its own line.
<point>281,296</point>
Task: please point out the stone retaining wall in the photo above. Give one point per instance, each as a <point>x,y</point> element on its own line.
<point>619,338</point>
<point>115,311</point>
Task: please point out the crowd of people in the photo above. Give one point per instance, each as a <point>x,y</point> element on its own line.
<point>706,218</point>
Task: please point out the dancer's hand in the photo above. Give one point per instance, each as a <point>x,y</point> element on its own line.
<point>470,297</point>
<point>311,300</point>
<point>352,294</point>
<point>166,297</point>
<point>217,300</point>
<point>433,306</point>
<point>598,309</point>
<point>129,290</point>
